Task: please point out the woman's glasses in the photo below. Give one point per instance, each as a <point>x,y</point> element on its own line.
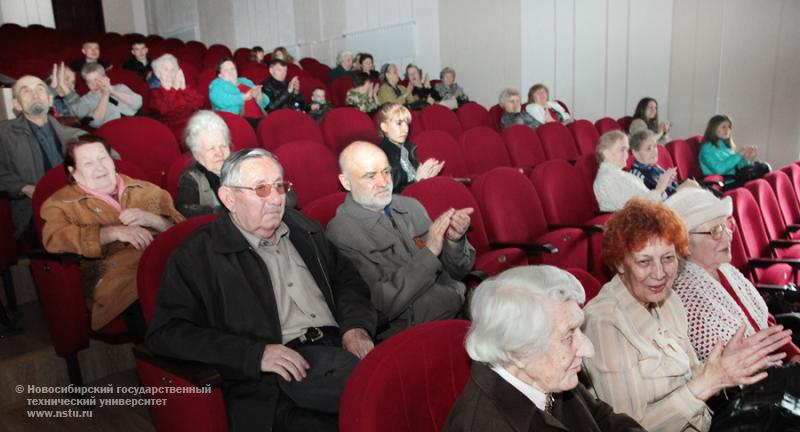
<point>263,190</point>
<point>718,231</point>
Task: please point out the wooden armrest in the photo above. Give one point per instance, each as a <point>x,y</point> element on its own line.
<point>198,374</point>
<point>529,248</point>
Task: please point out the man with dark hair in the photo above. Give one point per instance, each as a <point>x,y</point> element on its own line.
<point>262,296</point>
<point>91,54</point>
<point>140,63</point>
<point>282,95</point>
<point>29,145</point>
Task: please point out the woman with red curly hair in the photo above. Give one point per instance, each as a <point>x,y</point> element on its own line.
<point>644,364</point>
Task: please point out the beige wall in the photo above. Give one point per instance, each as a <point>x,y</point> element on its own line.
<point>481,41</point>
<point>27,12</point>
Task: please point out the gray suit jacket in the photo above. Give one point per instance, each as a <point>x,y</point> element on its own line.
<point>22,163</point>
<point>408,284</point>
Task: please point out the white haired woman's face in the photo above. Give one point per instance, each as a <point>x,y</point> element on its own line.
<point>166,73</point>
<point>212,150</point>
<point>512,104</point>
<point>556,368</point>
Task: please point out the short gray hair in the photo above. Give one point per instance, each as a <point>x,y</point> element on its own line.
<point>92,67</point>
<point>511,313</point>
<point>231,173</point>
<point>341,55</point>
<point>606,141</point>
<point>638,138</point>
<point>204,121</point>
<point>447,70</point>
<point>165,58</point>
<point>505,94</point>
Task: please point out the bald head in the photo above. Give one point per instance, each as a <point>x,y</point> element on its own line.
<point>366,174</point>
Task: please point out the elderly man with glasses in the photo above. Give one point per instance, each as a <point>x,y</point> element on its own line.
<point>263,297</point>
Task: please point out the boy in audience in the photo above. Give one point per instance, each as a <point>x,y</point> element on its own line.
<point>91,54</point>
<point>140,63</point>
<point>318,106</point>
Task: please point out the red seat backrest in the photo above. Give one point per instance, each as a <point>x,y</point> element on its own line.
<point>563,192</point>
<point>408,383</point>
<point>495,114</point>
<point>323,209</point>
<point>750,222</point>
<point>253,71</point>
<point>624,123</point>
<point>439,117</point>
<point>483,150</point>
<point>438,194</point>
<point>341,126</point>
<point>339,88</point>
<point>441,146</point>
<point>585,135</point>
<point>312,169</point>
<point>145,142</point>
<point>523,145</point>
<point>473,114</point>
<point>242,133</point>
<point>591,286</point>
<point>154,260</point>
<point>214,54</point>
<point>770,210</point>
<point>308,84</point>
<point>557,141</point>
<point>174,173</point>
<point>685,158</point>
<point>285,125</point>
<point>606,124</point>
<point>203,81</point>
<point>787,200</point>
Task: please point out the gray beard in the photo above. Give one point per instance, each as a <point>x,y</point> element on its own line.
<point>38,109</point>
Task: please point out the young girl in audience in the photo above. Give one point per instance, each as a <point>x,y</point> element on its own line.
<point>719,156</point>
<point>646,118</point>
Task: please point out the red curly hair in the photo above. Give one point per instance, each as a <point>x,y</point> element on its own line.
<point>640,221</point>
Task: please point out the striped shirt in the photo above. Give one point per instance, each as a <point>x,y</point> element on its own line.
<point>643,360</point>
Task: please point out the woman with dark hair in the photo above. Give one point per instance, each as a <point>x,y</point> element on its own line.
<point>367,64</point>
<point>719,156</point>
<point>420,86</point>
<point>646,118</point>
<point>364,94</point>
<point>257,54</point>
<point>236,95</point>
<point>108,219</point>
<point>281,53</point>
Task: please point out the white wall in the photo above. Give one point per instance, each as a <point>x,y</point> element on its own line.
<point>27,12</point>
<point>125,16</point>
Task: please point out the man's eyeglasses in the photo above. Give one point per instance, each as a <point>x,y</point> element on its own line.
<point>718,231</point>
<point>263,190</point>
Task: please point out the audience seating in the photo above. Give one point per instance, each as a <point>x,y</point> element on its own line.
<point>439,117</point>
<point>793,173</point>
<point>557,142</point>
<point>341,126</point>
<point>145,142</point>
<point>495,114</point>
<point>585,135</point>
<point>255,72</point>
<point>8,257</point>
<point>285,125</point>
<point>203,82</point>
<point>483,150</point>
<point>784,192</point>
<point>57,280</point>
<point>473,114</point>
<point>757,270</point>
<point>323,209</point>
<point>524,146</point>
<point>514,217</point>
<point>587,166</point>
<point>685,158</point>
<point>174,173</point>
<point>606,124</point>
<point>241,55</point>
<point>624,123</point>
<point>214,54</point>
<point>439,194</point>
<point>242,133</point>
<point>408,383</point>
<point>771,211</point>
<point>308,84</point>
<point>441,146</point>
<point>181,411</point>
<point>311,168</point>
<point>591,286</point>
<point>339,88</point>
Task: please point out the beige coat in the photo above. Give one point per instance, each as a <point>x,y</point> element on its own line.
<point>73,220</point>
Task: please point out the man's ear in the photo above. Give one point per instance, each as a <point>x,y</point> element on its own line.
<point>345,182</point>
<point>17,106</point>
<point>226,197</point>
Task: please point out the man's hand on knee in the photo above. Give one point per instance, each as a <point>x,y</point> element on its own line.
<point>358,342</point>
<point>284,361</point>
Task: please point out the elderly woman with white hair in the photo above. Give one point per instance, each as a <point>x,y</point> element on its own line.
<point>209,140</point>
<point>344,66</point>
<point>447,92</point>
<point>527,348</point>
<point>172,100</point>
<point>512,111</point>
<point>719,300</point>
<point>613,186</point>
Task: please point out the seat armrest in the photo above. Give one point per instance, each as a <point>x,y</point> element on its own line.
<point>783,243</point>
<point>761,262</point>
<point>587,228</point>
<point>475,277</point>
<point>793,227</point>
<point>196,373</point>
<point>529,248</point>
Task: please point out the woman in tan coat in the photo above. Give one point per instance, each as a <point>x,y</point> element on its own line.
<point>108,219</point>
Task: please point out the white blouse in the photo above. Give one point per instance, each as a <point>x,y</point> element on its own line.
<point>537,112</point>
<point>613,187</point>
